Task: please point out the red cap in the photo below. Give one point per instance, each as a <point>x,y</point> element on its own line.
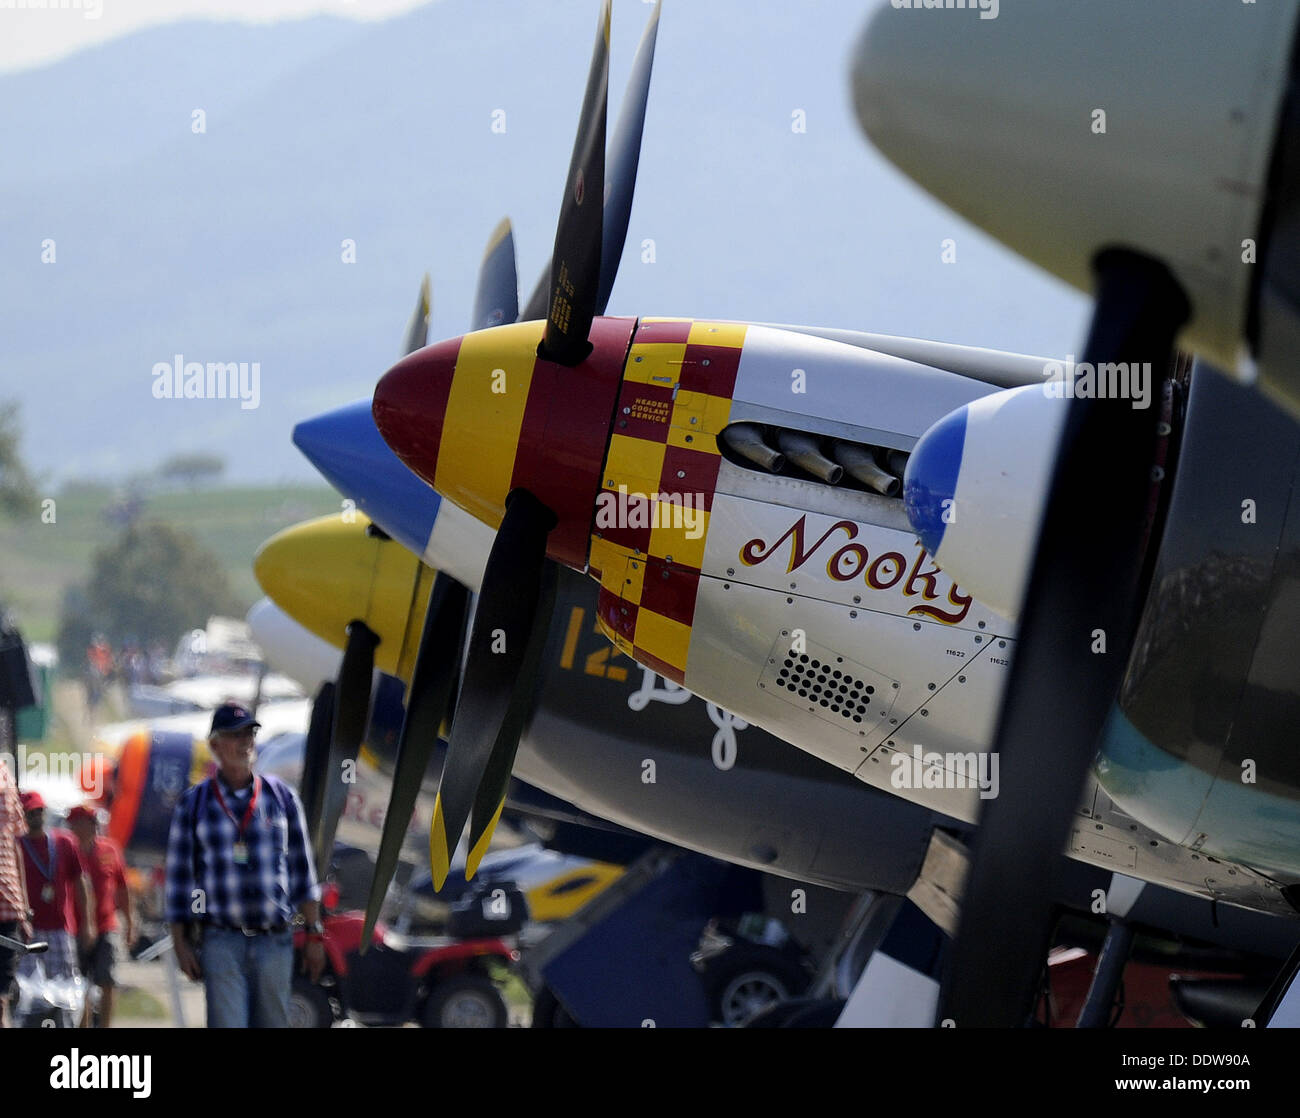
<point>82,811</point>
<point>32,801</point>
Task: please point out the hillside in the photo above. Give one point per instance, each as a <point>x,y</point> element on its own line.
<point>36,563</point>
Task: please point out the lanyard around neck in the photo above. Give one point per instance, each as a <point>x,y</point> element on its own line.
<point>248,812</point>
<point>48,869</point>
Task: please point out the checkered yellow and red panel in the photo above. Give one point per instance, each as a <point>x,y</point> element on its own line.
<point>663,463</point>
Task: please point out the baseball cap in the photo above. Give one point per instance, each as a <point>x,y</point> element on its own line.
<point>232,716</point>
<point>82,811</point>
<point>31,801</point>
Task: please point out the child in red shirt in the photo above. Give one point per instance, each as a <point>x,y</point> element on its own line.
<point>102,862</point>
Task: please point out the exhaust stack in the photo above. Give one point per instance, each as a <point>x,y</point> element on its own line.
<point>747,441</point>
<point>861,464</point>
<point>802,450</point>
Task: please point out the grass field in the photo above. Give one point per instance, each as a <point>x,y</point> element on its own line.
<point>37,560</point>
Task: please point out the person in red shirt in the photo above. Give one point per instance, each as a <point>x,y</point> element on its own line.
<point>102,862</point>
<point>56,889</point>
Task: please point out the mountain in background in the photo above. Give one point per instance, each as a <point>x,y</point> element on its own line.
<point>226,246</point>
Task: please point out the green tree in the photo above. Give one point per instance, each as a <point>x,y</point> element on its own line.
<point>76,626</point>
<point>17,491</point>
<point>192,469</point>
<point>153,583</point>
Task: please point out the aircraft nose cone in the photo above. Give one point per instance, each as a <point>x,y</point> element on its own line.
<point>483,415</point>
<point>976,488</point>
<point>930,482</point>
<point>348,450</point>
<point>328,572</point>
<point>319,573</point>
<point>410,405</point>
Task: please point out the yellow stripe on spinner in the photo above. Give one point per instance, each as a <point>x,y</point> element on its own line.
<point>485,414</point>
<point>663,637</point>
<point>481,847</point>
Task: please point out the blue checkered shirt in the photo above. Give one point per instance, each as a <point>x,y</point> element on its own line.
<point>205,883</point>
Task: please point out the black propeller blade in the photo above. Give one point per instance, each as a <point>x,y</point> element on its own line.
<point>491,797</point>
<point>575,261</point>
<point>625,155</point>
<point>352,709</point>
<point>417,330</point>
<point>507,615</point>
<point>428,701</point>
<point>496,301</point>
<point>1061,689</point>
<point>316,759</point>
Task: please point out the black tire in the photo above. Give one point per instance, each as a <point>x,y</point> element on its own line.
<point>746,983</point>
<point>465,1001</point>
<point>309,1005</point>
<point>549,1013</point>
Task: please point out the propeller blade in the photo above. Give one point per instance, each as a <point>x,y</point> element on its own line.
<point>497,299</point>
<point>417,330</point>
<point>624,156</point>
<point>507,614</point>
<point>491,796</point>
<point>575,261</point>
<point>535,308</point>
<point>352,708</point>
<point>316,759</point>
<point>428,701</point>
<point>1084,580</point>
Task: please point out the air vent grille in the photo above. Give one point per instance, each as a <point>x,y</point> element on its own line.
<point>822,682</point>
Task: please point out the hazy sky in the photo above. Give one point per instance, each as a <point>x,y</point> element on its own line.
<point>33,32</point>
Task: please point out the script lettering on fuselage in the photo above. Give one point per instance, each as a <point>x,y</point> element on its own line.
<point>889,572</point>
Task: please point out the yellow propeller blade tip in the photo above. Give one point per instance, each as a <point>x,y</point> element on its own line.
<point>439,856</point>
<point>485,839</point>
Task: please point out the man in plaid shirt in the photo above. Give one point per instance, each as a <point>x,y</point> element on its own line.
<point>14,910</point>
<point>238,867</point>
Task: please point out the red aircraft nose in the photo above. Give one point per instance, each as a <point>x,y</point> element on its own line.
<point>410,403</point>
<point>479,416</point>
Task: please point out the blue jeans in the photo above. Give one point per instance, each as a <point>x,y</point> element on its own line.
<point>247,978</point>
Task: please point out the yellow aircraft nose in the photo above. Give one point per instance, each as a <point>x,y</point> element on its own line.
<point>327,572</point>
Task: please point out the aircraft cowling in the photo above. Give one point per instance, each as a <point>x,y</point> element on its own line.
<point>1163,127</point>
<point>1199,747</point>
<point>1202,745</point>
